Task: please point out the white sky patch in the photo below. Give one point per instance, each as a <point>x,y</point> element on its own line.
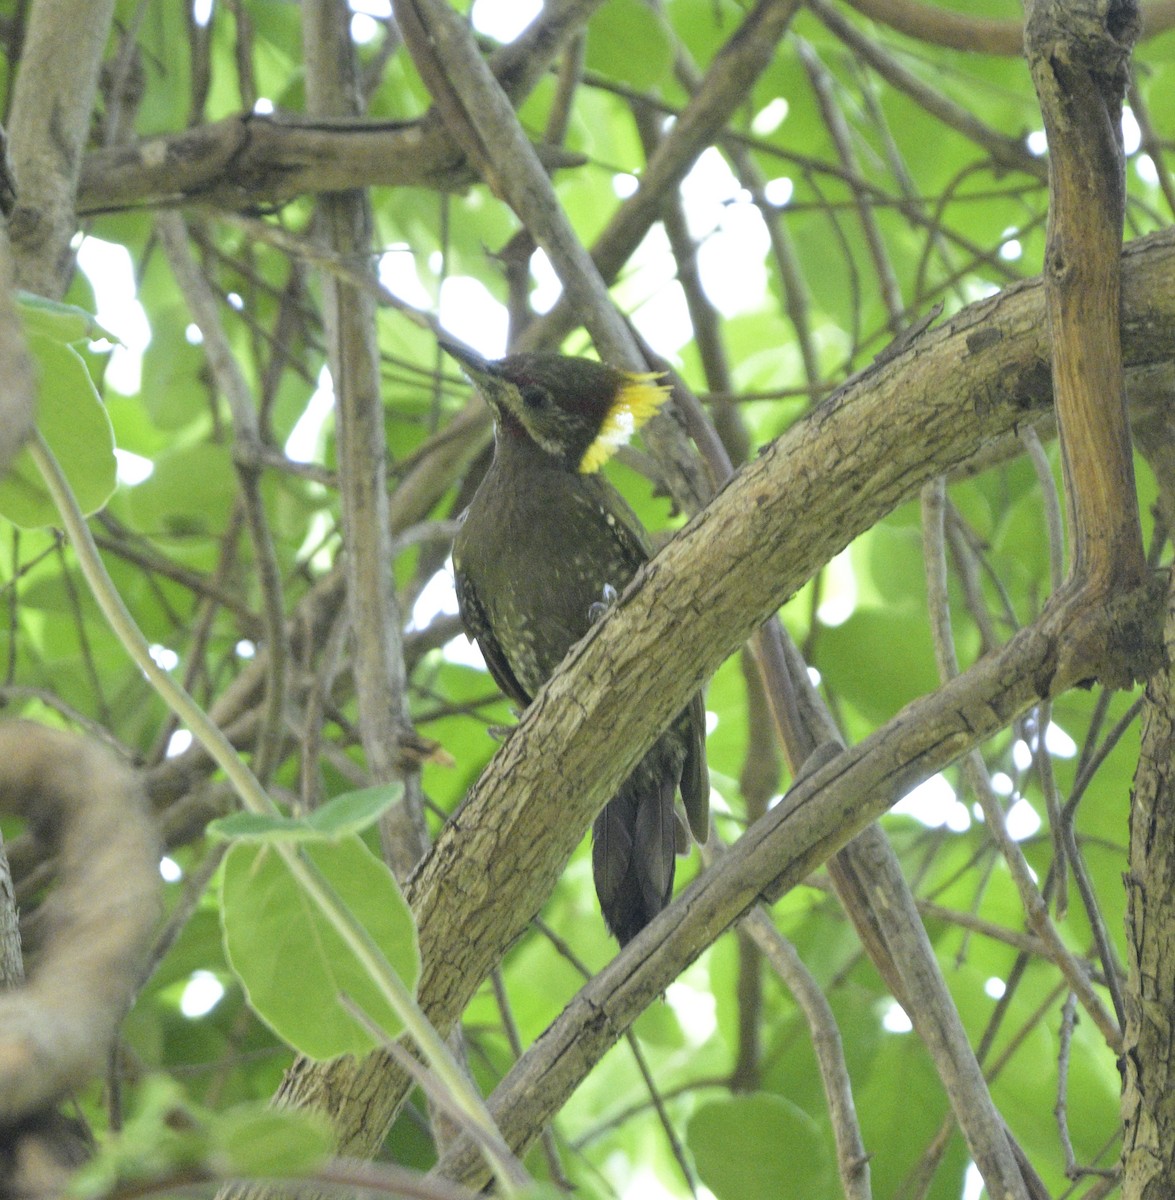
<point>437,597</point>
<point>201,12</point>
<point>364,29</point>
<point>165,658</point>
<point>178,743</point>
<point>111,273</point>
<point>398,273</point>
<point>978,289</point>
<point>779,191</point>
<point>642,1184</point>
<point>1002,784</point>
<point>1037,143</point>
<point>972,1183</point>
<point>814,677</point>
<point>838,596</point>
<point>462,652</point>
<point>769,118</point>
<point>169,870</point>
<point>934,804</point>
<point>894,1019</point>
<point>1058,743</point>
<point>470,313</point>
<point>625,185</point>
<point>201,995</point>
<point>1021,754</point>
<point>263,106</point>
<point>308,437</point>
<point>503,20</point>
<point>1145,169</point>
<point>712,721</point>
<point>547,288</point>
<point>664,320</point>
<point>132,468</point>
<point>192,334</point>
<point>731,235</point>
<point>1131,133</point>
<point>995,987</point>
<point>1022,820</point>
<point>695,1010</point>
<point>246,648</point>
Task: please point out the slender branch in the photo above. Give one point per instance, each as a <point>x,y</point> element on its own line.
<point>927,22</point>
<point>349,316</point>
<point>851,1157</point>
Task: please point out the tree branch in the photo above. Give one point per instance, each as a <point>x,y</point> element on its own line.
<point>835,474</point>
<point>1079,56</point>
<point>821,813</point>
<point>52,101</point>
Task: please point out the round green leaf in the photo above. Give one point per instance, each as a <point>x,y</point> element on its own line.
<point>296,970</point>
<point>73,421</point>
<point>268,1142</point>
<point>59,322</point>
<point>341,816</point>
<point>760,1147</point>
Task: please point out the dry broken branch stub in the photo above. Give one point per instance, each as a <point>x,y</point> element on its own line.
<point>1079,56</point>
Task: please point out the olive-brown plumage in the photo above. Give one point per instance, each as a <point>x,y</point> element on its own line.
<point>543,541</point>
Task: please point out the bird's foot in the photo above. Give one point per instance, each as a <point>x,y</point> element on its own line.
<point>601,606</point>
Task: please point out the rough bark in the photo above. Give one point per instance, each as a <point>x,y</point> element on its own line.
<point>1148,1098</point>
<point>50,123</point>
<point>962,387</point>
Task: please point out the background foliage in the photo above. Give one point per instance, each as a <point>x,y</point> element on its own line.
<point>863,177</point>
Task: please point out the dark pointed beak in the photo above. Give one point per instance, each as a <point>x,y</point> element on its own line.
<point>472,363</point>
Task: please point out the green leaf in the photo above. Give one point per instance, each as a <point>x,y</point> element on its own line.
<point>294,966</point>
<point>64,323</point>
<point>166,1134</point>
<point>628,42</point>
<point>348,813</point>
<point>72,419</point>
<point>262,828</point>
<point>760,1147</point>
<point>163,1135</point>
<point>352,812</point>
<point>268,1142</point>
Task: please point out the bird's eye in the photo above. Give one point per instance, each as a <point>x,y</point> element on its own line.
<point>535,397</point>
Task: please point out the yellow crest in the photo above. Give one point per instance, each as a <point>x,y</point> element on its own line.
<point>636,402</point>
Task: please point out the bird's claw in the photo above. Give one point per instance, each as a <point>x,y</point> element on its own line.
<point>601,606</point>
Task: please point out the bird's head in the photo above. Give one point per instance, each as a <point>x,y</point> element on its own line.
<point>575,409</point>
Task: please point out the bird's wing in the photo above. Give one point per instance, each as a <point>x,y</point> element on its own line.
<point>631,536</point>
<point>477,625</point>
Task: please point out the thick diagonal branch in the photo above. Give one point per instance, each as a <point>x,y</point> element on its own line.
<point>961,387</point>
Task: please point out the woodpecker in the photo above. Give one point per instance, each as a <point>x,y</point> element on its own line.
<point>543,548</point>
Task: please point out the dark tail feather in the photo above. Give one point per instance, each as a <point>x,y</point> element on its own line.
<point>633,844</point>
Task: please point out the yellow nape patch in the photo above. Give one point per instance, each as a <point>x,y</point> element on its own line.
<point>637,401</point>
